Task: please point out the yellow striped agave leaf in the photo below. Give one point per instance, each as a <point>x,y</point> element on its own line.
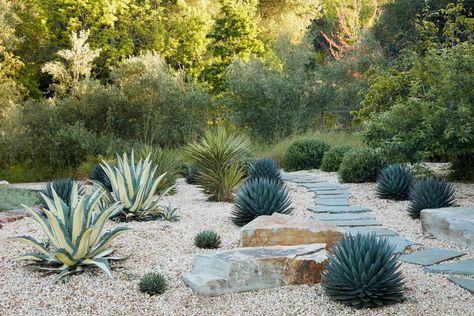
<point>134,186</point>
<point>75,235</point>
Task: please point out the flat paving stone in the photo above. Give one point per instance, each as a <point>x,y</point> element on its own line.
<point>430,256</point>
<point>370,230</point>
<point>333,193</point>
<point>460,267</point>
<point>354,222</point>
<point>399,243</point>
<point>335,217</point>
<point>339,209</point>
<point>466,284</point>
<point>323,186</point>
<point>332,196</point>
<point>332,202</point>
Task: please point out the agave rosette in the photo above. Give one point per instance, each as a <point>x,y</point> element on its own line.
<point>74,234</point>
<point>134,186</point>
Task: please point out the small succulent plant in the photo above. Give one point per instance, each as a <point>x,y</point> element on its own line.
<point>170,213</point>
<point>207,239</point>
<point>63,188</point>
<point>258,197</point>
<point>153,283</point>
<point>98,174</point>
<point>394,182</point>
<point>264,168</point>
<point>363,272</point>
<point>428,193</point>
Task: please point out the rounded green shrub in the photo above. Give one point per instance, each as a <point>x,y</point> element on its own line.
<point>332,159</point>
<point>153,283</point>
<point>363,272</point>
<point>394,182</point>
<point>360,165</point>
<point>429,193</point>
<point>207,239</point>
<point>305,154</point>
<point>264,168</point>
<point>259,197</point>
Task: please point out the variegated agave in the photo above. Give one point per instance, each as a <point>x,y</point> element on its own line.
<point>134,186</point>
<point>74,232</point>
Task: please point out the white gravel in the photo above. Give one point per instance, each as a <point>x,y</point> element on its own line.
<point>168,248</point>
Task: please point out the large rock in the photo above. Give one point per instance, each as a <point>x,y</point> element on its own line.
<point>288,230</point>
<point>253,268</point>
<point>452,223</point>
<point>3,183</point>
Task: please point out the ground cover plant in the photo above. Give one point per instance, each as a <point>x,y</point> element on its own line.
<point>11,199</point>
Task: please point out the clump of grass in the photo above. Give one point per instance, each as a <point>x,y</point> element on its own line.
<point>11,198</point>
<point>153,283</point>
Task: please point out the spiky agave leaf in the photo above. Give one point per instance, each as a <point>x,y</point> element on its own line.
<point>258,197</point>
<point>75,234</point>
<point>134,186</point>
<point>394,182</point>
<point>428,193</point>
<point>63,188</point>
<point>98,174</point>
<point>264,168</point>
<point>363,272</point>
<point>207,239</point>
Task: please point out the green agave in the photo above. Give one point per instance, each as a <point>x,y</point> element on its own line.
<point>63,188</point>
<point>264,168</point>
<point>134,186</point>
<point>428,193</point>
<point>394,182</point>
<point>74,235</point>
<point>98,174</point>
<point>258,197</point>
<point>363,272</point>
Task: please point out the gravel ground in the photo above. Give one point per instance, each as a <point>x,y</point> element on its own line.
<point>168,248</point>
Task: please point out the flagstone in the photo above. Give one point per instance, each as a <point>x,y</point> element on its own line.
<point>338,209</point>
<point>460,267</point>
<point>466,284</point>
<point>430,256</point>
<point>370,230</point>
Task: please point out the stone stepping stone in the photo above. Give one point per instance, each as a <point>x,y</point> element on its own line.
<point>342,216</point>
<point>399,243</point>
<point>334,193</point>
<point>430,256</point>
<point>332,197</point>
<point>466,284</point>
<point>460,267</point>
<point>370,230</point>
<point>253,268</point>
<point>332,202</point>
<point>324,186</point>
<point>354,222</point>
<point>339,209</point>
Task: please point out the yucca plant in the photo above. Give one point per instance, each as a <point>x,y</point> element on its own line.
<point>98,174</point>
<point>63,188</point>
<point>85,169</point>
<point>428,193</point>
<point>220,159</point>
<point>134,185</point>
<point>74,233</point>
<point>264,168</point>
<point>394,182</point>
<point>258,197</point>
<point>363,272</point>
<point>165,161</point>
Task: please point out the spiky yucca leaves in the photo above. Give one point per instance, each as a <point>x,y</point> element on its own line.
<point>74,233</point>
<point>84,170</point>
<point>264,168</point>
<point>98,174</point>
<point>258,197</point>
<point>428,193</point>
<point>134,185</point>
<point>165,161</point>
<point>363,272</point>
<point>394,182</point>
<point>220,159</point>
<point>63,188</point>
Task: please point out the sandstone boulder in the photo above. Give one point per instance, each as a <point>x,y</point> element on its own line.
<point>451,223</point>
<point>253,268</point>
<point>288,230</point>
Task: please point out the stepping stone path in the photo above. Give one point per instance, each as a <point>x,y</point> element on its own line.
<point>332,207</point>
<point>467,284</point>
<point>430,256</point>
